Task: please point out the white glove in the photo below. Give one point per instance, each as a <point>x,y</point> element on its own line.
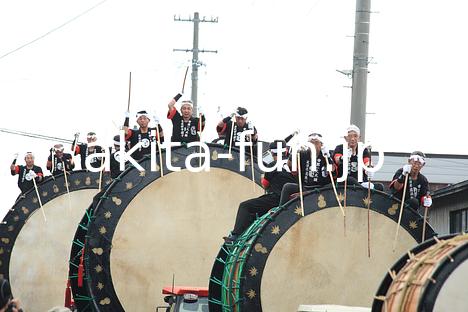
<point>127,114</point>
<point>406,169</point>
<point>156,119</point>
<point>200,110</point>
<point>427,202</point>
<point>77,135</point>
<point>370,175</point>
<point>325,151</point>
<point>32,174</point>
<point>15,156</point>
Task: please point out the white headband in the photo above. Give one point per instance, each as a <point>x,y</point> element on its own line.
<point>276,151</point>
<point>138,115</point>
<point>353,128</point>
<point>421,159</point>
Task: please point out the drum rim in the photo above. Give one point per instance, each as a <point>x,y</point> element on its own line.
<point>18,217</point>
<point>108,292</point>
<point>316,192</point>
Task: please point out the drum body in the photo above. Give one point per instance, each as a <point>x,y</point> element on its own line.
<point>34,252</point>
<point>147,228</point>
<point>285,259</point>
<point>431,277</point>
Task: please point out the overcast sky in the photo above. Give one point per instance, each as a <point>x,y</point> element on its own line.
<point>277,58</point>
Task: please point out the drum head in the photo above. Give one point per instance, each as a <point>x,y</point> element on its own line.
<point>160,227</point>
<point>36,258</point>
<point>322,257</point>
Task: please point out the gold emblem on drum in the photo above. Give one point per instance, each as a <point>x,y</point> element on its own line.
<point>129,185</point>
<point>34,200</point>
<point>88,181</point>
<point>413,225</point>
<point>44,194</point>
<point>77,182</point>
<point>5,240</point>
<point>102,230</point>
<point>251,294</point>
<point>11,228</point>
<point>55,188</point>
<point>2,251</point>
<point>107,214</point>
<point>259,248</point>
<point>25,210</point>
<point>341,197</point>
<point>247,162</point>
<point>100,286</point>
<point>298,210</point>
<point>214,155</point>
<point>98,268</point>
<point>116,200</point>
<point>367,201</point>
<point>392,210</point>
<point>16,218</point>
<point>253,271</point>
<point>321,203</point>
<point>142,173</point>
<point>275,230</point>
<point>175,159</point>
<point>105,301</point>
<point>98,251</point>
<point>156,167</point>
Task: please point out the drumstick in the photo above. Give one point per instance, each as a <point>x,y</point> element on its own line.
<point>368,215</point>
<point>199,135</point>
<point>300,182</point>
<point>424,224</point>
<point>344,203</point>
<point>232,132</point>
<point>401,211</point>
<point>129,90</point>
<point>334,188</point>
<point>252,163</point>
<point>100,175</point>
<point>39,198</point>
<point>66,184</point>
<point>159,149</point>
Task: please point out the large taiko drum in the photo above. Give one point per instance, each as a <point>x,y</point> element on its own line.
<point>147,228</point>
<point>431,277</point>
<point>285,259</point>
<point>34,251</point>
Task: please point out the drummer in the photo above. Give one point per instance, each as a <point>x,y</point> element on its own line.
<point>417,186</point>
<point>185,127</point>
<point>27,173</point>
<point>273,183</point>
<point>85,149</point>
<point>312,176</point>
<point>225,128</point>
<point>143,134</point>
<point>58,161</point>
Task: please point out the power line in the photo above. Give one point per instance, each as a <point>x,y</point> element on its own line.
<point>53,30</point>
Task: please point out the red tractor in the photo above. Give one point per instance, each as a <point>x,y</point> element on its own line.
<point>185,299</point>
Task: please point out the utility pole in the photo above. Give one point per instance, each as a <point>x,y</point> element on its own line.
<point>195,62</point>
<point>360,62</point>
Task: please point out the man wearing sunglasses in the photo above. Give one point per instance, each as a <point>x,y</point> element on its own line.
<point>84,150</point>
<point>273,183</point>
<point>417,188</point>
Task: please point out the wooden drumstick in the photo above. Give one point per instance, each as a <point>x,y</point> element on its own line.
<point>100,174</point>
<point>344,203</point>
<point>200,135</point>
<point>159,149</point>
<point>299,173</point>
<point>232,132</point>
<point>39,198</point>
<point>401,211</point>
<point>424,224</point>
<point>334,188</point>
<point>66,183</point>
<point>252,163</point>
<point>368,215</point>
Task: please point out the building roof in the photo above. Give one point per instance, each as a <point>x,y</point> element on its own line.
<point>439,168</point>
